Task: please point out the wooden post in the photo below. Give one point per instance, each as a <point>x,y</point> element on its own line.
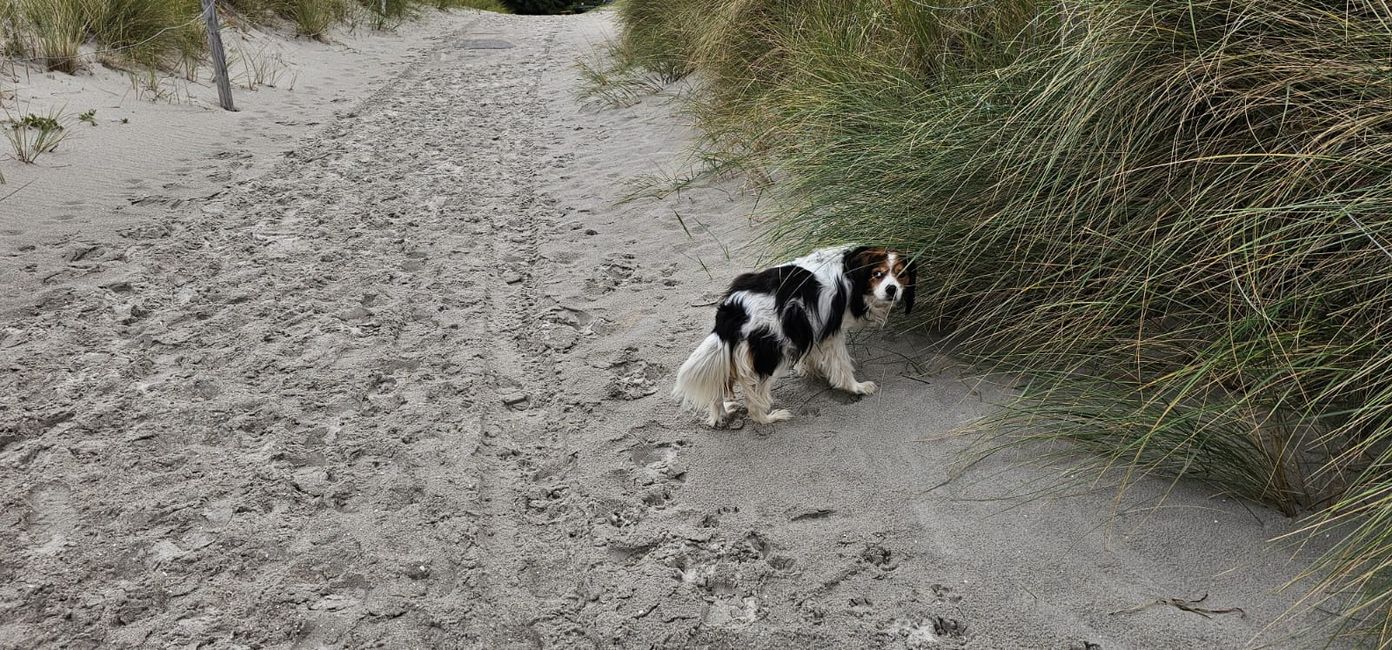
<point>224,84</point>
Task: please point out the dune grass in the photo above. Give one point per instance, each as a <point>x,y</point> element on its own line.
<point>124,32</point>
<point>167,34</point>
<point>146,32</point>
<point>50,31</point>
<point>1168,218</point>
<point>313,18</point>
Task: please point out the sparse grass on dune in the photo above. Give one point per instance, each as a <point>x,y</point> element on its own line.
<point>1170,219</point>
<point>168,33</point>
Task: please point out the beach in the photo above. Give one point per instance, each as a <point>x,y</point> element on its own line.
<point>384,359</point>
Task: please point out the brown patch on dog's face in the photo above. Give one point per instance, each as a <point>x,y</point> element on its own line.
<point>884,276</point>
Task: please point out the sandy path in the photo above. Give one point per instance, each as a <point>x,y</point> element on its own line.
<point>408,388</point>
<point>143,154</point>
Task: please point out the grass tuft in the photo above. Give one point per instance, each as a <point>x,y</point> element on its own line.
<point>51,31</point>
<point>32,135</point>
<point>314,18</point>
<point>146,32</point>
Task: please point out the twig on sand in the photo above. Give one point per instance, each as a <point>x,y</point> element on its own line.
<point>1185,605</point>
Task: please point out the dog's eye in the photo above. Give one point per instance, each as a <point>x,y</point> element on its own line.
<point>879,274</point>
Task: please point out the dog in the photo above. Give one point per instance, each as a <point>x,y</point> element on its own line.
<point>793,315</point>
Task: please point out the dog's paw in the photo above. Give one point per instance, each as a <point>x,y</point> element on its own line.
<point>864,388</point>
<point>778,415</point>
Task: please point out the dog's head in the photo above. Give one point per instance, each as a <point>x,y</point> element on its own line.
<point>882,276</point>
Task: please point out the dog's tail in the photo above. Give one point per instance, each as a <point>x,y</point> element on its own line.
<point>706,375</point>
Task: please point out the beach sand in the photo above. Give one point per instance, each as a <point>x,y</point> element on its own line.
<point>395,369</point>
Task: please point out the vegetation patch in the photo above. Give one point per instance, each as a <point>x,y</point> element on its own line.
<point>33,135</point>
<point>1169,219</point>
<point>170,34</point>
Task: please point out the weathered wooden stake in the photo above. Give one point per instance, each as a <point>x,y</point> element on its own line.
<point>224,84</point>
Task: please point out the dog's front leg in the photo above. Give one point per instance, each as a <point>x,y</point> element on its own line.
<point>834,360</point>
<point>758,397</point>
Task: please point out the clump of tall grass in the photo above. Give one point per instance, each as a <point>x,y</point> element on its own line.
<point>145,32</point>
<point>313,18</point>
<point>1170,218</point>
<point>142,32</point>
<point>50,31</point>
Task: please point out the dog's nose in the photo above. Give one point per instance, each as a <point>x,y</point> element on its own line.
<point>889,291</point>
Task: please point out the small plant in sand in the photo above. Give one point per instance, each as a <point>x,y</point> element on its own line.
<point>152,86</point>
<point>33,135</point>
<point>89,117</point>
<point>255,68</point>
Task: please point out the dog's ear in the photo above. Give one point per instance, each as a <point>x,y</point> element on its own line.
<point>910,274</point>
<point>856,266</point>
<point>858,262</point>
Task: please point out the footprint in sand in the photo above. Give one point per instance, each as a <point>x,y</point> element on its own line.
<point>935,632</point>
<point>52,518</point>
<point>633,380</point>
<point>617,270</point>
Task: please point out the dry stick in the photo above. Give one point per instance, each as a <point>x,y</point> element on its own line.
<point>1183,605</point>
<point>224,83</point>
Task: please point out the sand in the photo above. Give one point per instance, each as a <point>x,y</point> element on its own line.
<point>395,372</point>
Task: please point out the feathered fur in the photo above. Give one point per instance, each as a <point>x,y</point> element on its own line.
<point>792,315</point>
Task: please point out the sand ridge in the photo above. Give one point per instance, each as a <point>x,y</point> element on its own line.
<point>408,387</point>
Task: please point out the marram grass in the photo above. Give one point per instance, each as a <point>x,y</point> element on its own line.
<point>166,33</point>
<point>1171,219</point>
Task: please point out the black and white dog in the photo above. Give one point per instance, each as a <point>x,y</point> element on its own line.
<point>793,315</point>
